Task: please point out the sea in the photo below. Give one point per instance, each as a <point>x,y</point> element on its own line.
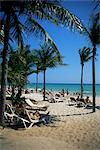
<point>74,88</point>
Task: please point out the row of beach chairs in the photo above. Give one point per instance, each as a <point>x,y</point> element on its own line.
<point>80,102</point>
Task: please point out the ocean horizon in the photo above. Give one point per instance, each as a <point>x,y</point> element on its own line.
<point>71,87</point>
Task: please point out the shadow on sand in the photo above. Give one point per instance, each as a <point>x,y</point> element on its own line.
<point>91,107</point>
<point>54,119</point>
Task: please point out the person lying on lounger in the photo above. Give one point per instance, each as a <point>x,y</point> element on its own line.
<point>37,116</point>
<point>87,100</point>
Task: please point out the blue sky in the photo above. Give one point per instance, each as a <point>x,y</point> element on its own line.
<point>68,44</point>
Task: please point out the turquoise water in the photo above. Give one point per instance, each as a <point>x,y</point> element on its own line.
<point>70,87</point>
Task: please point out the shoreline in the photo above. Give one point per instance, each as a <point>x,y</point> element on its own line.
<point>71,93</point>
<point>71,87</point>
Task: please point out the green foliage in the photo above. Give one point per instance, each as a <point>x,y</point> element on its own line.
<point>97,4</point>
<point>17,100</point>
<point>19,67</point>
<point>93,35</point>
<point>46,57</point>
<point>14,27</point>
<point>54,12</point>
<point>14,9</point>
<point>32,11</point>
<point>85,54</point>
<point>94,29</point>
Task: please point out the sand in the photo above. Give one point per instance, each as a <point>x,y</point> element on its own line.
<point>71,129</point>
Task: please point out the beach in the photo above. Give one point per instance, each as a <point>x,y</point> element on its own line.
<point>49,75</point>
<point>71,128</point>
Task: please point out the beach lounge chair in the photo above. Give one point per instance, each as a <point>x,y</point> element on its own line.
<point>33,121</point>
<point>9,109</point>
<point>80,104</point>
<point>44,119</point>
<point>36,106</point>
<point>10,115</point>
<point>14,117</point>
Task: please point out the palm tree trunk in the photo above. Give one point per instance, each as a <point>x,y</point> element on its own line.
<point>82,81</point>
<point>93,77</point>
<point>36,82</point>
<point>4,69</point>
<point>44,86</point>
<point>13,91</point>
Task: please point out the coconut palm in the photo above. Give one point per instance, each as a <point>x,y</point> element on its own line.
<point>93,35</point>
<point>84,54</point>
<point>48,58</point>
<point>19,67</point>
<point>12,23</point>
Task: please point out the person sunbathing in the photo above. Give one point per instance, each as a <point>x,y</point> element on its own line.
<point>34,116</point>
<point>43,118</point>
<point>37,115</point>
<point>87,100</point>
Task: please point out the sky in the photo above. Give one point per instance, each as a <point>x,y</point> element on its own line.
<point>68,44</point>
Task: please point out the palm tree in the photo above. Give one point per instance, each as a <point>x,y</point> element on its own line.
<point>12,23</point>
<point>84,54</point>
<point>48,58</point>
<point>19,67</point>
<point>93,35</point>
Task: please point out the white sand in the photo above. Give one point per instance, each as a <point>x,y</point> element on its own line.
<point>78,129</point>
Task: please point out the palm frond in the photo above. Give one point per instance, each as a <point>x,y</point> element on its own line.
<point>55,13</point>
<point>85,54</point>
<point>16,28</point>
<point>39,30</point>
<point>47,57</point>
<point>94,29</point>
<point>97,4</point>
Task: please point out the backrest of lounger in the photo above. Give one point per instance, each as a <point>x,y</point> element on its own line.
<point>29,102</point>
<point>8,109</point>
